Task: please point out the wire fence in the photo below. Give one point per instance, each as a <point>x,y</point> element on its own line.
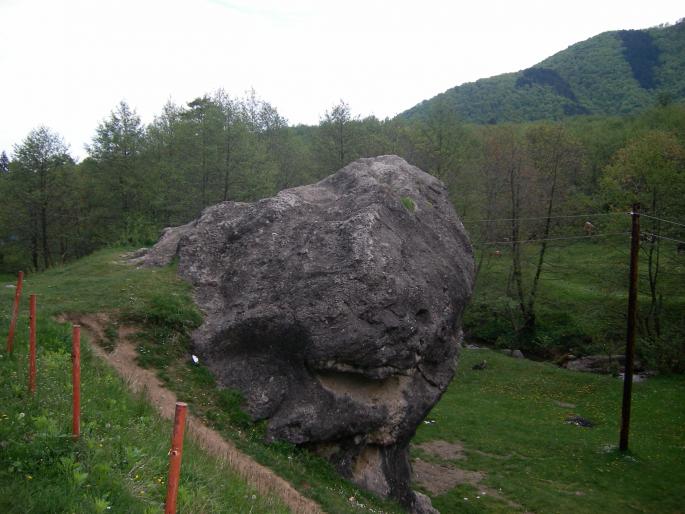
<point>538,240</point>
<point>663,220</point>
<point>658,236</point>
<point>564,216</point>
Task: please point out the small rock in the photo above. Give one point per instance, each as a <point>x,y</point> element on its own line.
<point>579,421</point>
<point>422,505</point>
<point>637,377</point>
<point>604,364</point>
<point>140,252</point>
<point>565,405</point>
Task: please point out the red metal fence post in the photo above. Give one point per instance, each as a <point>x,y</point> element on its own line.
<point>32,344</point>
<point>15,312</point>
<point>175,457</point>
<point>76,380</point>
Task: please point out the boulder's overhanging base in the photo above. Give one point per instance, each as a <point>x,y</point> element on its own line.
<point>335,308</point>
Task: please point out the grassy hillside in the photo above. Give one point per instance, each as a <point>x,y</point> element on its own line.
<point>120,462</point>
<point>613,73</point>
<point>509,419</point>
<point>157,302</point>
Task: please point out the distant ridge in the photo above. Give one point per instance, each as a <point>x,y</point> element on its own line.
<point>613,73</point>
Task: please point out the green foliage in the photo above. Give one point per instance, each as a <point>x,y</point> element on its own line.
<point>665,354</point>
<point>36,208</point>
<point>111,337</point>
<point>649,170</point>
<point>614,73</point>
<point>232,403</point>
<point>4,163</point>
<point>159,303</point>
<point>642,55</point>
<point>408,204</point>
<point>545,77</point>
<point>136,230</point>
<point>120,462</point>
<point>172,311</point>
<point>582,303</point>
<point>166,322</point>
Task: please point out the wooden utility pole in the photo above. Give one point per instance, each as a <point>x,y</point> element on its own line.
<point>632,325</point>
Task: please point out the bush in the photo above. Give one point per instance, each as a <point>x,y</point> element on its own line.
<point>665,354</point>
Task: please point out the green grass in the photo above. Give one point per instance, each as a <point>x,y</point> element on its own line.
<point>513,429</point>
<point>158,302</point>
<point>408,204</point>
<point>582,302</point>
<point>120,462</point>
<point>507,412</point>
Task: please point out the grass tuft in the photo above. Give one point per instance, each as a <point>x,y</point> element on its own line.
<point>408,204</point>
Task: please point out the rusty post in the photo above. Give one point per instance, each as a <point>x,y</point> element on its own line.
<point>632,325</point>
<point>76,380</point>
<point>32,344</point>
<point>15,312</point>
<point>175,457</point>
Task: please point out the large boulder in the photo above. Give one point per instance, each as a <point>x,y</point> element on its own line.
<point>335,308</point>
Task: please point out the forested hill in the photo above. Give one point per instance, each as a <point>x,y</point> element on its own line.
<point>614,73</point>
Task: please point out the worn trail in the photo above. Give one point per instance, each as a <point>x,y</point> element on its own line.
<point>140,380</point>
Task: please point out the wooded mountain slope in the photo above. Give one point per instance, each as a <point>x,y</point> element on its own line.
<point>614,73</point>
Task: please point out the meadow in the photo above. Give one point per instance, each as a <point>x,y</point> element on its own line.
<point>509,419</point>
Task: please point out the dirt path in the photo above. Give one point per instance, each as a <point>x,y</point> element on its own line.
<point>140,380</point>
<point>441,478</point>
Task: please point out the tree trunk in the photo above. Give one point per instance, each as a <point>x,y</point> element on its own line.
<point>652,322</point>
<point>341,144</point>
<point>543,245</point>
<point>517,274</point>
<point>44,236</point>
<point>227,165</point>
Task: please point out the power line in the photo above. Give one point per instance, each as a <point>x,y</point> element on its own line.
<point>664,220</point>
<point>550,239</point>
<point>550,217</point>
<point>662,237</point>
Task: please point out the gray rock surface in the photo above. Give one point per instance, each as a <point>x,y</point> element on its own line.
<point>335,308</point>
<point>517,354</point>
<point>604,364</point>
<point>422,505</point>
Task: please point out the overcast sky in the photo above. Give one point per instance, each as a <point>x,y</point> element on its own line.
<point>67,63</point>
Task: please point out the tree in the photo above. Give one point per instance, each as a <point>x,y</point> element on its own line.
<point>166,160</point>
<point>525,174</point>
<point>335,129</point>
<point>555,157</point>
<point>4,163</point>
<point>118,184</point>
<point>204,120</point>
<point>36,184</point>
<point>650,170</point>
